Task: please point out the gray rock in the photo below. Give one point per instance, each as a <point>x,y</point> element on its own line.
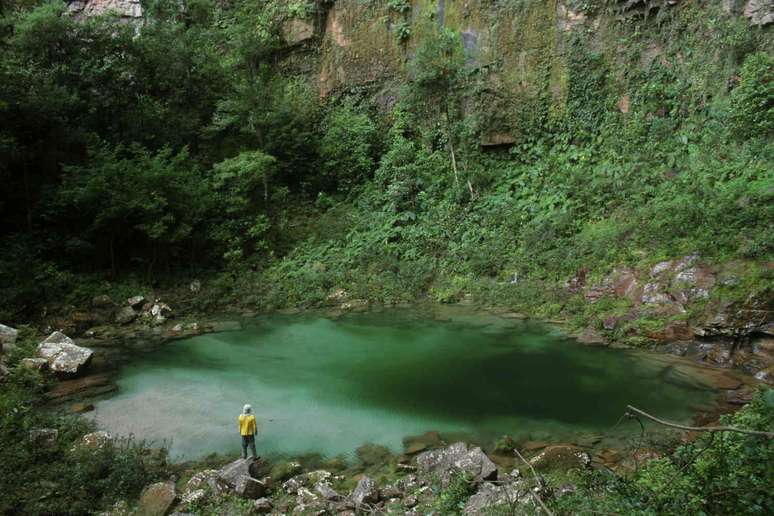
<point>250,488</point>
<point>365,492</point>
<point>102,301</point>
<point>262,506</point>
<point>44,436</point>
<point>231,473</point>
<point>324,489</point>
<point>293,485</point>
<point>95,440</point>
<point>491,497</point>
<point>197,496</point>
<point>64,357</point>
<point>408,484</point>
<point>157,499</point>
<point>136,302</point>
<point>759,12</point>
<point>446,461</point>
<point>126,315</point>
<point>209,478</point>
<point>8,338</point>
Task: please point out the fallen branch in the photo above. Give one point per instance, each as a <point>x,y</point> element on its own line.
<point>644,414</point>
<point>539,483</point>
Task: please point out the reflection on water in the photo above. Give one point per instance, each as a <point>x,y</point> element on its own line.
<point>328,386</point>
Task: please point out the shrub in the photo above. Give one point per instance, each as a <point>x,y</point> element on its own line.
<point>752,101</point>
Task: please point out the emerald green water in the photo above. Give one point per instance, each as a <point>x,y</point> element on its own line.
<point>328,386</point>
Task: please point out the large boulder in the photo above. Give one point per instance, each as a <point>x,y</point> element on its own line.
<point>561,457</point>
<point>209,479</point>
<point>232,472</point>
<point>250,488</point>
<point>64,357</point>
<point>8,338</point>
<point>366,492</point>
<point>157,499</point>
<point>126,315</point>
<point>457,458</point>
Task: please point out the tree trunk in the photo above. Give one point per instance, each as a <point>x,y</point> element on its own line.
<point>113,268</point>
<point>27,201</point>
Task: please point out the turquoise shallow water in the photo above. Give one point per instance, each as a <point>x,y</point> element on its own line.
<point>327,386</point>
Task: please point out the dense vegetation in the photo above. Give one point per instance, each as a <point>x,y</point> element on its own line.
<point>182,149</point>
<point>61,475</point>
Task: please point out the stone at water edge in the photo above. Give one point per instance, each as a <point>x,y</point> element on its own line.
<point>157,499</point>
<point>561,456</point>
<point>64,357</point>
<point>126,315</point>
<point>231,473</point>
<point>365,492</point>
<point>8,338</point>
<point>136,302</point>
<point>457,457</point>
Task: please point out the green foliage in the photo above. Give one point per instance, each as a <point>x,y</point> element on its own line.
<point>752,102</point>
<point>242,185</point>
<point>399,6</point>
<point>347,147</point>
<point>403,31</point>
<point>62,477</point>
<point>135,197</point>
<point>452,498</point>
<point>725,473</point>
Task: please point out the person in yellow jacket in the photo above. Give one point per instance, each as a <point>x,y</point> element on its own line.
<point>247,429</point>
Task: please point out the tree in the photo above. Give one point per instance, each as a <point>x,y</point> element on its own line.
<point>133,201</point>
<point>347,146</point>
<point>242,186</point>
<point>438,86</point>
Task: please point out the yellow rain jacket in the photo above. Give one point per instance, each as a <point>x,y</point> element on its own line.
<point>247,424</point>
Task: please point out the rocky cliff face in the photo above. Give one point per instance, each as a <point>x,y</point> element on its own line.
<point>519,50</point>
<point>127,10</point>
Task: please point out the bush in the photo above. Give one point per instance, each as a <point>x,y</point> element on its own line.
<point>752,101</point>
<point>347,147</point>
<point>62,478</point>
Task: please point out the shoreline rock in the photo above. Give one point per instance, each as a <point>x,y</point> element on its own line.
<point>65,358</point>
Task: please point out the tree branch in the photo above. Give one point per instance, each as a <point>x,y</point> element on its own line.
<point>539,484</point>
<point>634,410</point>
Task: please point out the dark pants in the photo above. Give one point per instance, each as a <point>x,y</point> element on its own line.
<point>248,440</point>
